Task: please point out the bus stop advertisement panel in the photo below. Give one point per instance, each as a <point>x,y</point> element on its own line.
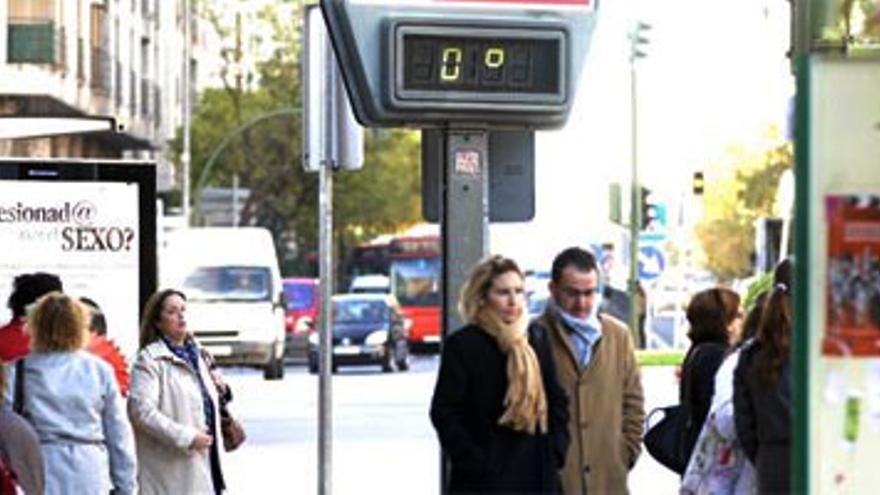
<point>92,223</point>
<point>836,357</point>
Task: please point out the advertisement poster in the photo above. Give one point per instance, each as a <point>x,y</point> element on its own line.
<point>86,233</point>
<point>853,285</point>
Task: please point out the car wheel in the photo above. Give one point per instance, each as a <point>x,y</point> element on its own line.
<point>274,370</point>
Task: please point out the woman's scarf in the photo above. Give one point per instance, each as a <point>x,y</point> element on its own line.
<point>525,402</point>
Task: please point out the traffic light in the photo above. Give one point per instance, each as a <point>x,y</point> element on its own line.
<point>638,40</point>
<point>649,210</point>
<point>698,183</point>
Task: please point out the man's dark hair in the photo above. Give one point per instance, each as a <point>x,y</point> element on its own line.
<point>579,258</point>
<point>28,287</point>
<point>98,322</point>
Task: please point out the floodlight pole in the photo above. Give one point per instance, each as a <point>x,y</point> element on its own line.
<point>186,154</point>
<point>635,214</point>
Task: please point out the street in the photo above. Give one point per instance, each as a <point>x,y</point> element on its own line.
<point>383,441</point>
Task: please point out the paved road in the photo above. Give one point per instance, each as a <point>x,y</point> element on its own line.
<point>382,439</point>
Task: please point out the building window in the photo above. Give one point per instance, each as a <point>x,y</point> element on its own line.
<point>33,36</point>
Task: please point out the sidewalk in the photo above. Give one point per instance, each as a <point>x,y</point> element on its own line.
<point>648,476</point>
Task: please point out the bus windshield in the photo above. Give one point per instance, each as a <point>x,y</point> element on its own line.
<point>416,281</point>
<point>228,283</point>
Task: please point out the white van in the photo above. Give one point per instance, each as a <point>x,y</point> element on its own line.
<point>234,292</point>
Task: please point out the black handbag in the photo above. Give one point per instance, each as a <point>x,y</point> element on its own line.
<point>665,440</point>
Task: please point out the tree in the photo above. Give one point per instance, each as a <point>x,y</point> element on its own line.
<point>266,156</point>
<point>733,201</point>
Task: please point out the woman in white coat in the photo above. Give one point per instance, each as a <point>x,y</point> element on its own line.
<point>173,405</point>
<point>72,400</point>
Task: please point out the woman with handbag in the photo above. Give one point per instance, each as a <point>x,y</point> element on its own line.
<point>718,465</point>
<point>714,316</point>
<point>174,404</point>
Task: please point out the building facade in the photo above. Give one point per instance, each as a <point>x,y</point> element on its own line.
<point>98,58</point>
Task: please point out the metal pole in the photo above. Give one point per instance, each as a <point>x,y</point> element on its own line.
<point>464,224</point>
<point>185,82</point>
<point>325,232</point>
<point>635,213</point>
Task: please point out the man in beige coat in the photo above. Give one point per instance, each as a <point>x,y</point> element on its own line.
<point>596,365</point>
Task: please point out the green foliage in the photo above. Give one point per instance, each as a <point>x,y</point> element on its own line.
<point>254,126</point>
<point>762,283</point>
<point>659,358</point>
<point>733,201</point>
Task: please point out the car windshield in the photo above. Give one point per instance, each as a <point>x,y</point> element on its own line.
<point>299,296</point>
<point>228,283</point>
<point>359,311</point>
<point>416,281</point>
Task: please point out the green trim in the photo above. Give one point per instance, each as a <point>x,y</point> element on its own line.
<point>659,358</point>
<point>800,452</point>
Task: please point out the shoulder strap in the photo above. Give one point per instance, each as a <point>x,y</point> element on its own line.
<point>18,397</point>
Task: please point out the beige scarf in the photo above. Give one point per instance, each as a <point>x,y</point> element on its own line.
<point>525,402</point>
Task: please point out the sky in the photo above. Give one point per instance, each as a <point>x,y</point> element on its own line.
<point>715,74</point>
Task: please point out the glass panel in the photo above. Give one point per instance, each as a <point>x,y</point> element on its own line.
<point>299,296</point>
<point>355,311</point>
<point>228,283</point>
<point>416,281</point>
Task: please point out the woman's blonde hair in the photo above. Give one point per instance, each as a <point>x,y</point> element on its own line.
<point>58,322</point>
<point>150,331</point>
<point>476,287</point>
<point>525,402</point>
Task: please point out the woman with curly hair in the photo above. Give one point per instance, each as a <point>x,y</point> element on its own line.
<point>73,402</point>
<point>499,413</point>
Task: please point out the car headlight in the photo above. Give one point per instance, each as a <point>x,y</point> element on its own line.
<point>313,338</point>
<point>377,337</point>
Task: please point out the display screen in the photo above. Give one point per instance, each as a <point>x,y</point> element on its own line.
<point>520,64</point>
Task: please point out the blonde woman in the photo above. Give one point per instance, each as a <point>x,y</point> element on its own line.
<point>173,404</point>
<point>497,408</point>
<point>72,400</point>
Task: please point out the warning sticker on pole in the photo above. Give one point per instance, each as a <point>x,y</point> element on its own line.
<point>467,162</point>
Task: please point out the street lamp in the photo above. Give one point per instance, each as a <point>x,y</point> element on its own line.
<point>637,42</point>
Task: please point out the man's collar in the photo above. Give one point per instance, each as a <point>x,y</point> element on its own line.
<point>590,328</point>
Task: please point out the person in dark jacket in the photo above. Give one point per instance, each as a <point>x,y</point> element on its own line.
<point>15,342</point>
<point>499,412</point>
<point>762,390</point>
<point>714,316</point>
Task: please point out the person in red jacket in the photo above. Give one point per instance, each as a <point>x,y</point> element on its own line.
<point>104,348</point>
<point>26,288</point>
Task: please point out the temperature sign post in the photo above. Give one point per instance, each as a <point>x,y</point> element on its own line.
<point>422,63</point>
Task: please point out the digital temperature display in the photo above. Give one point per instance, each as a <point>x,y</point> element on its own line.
<point>478,65</point>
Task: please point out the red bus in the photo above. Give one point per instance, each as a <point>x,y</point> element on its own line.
<point>415,281</point>
<point>368,258</point>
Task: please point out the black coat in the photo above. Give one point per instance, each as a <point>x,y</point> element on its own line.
<point>467,403</point>
<point>763,421</point>
<point>698,386</point>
